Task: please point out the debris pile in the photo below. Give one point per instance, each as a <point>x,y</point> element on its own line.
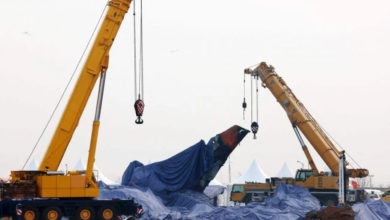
<point>176,188</point>
<point>332,212</point>
<point>192,168</point>
<point>288,202</point>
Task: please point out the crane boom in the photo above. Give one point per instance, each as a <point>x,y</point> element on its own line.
<point>52,193</point>
<point>301,118</point>
<point>97,61</point>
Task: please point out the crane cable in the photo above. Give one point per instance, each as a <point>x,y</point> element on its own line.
<point>257,98</point>
<point>254,124</point>
<point>334,140</point>
<point>66,87</point>
<point>251,99</point>
<point>139,104</point>
<point>135,51</point>
<point>141,56</point>
<point>244,105</point>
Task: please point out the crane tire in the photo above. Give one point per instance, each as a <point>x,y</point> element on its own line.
<point>30,213</point>
<point>52,213</point>
<point>85,213</point>
<point>107,213</point>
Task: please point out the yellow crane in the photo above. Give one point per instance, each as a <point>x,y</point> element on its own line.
<point>325,187</point>
<point>67,193</point>
<point>302,119</point>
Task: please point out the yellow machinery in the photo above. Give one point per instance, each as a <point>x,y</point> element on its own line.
<point>256,192</point>
<point>386,196</point>
<point>78,184</point>
<point>47,182</point>
<point>250,192</point>
<point>302,120</point>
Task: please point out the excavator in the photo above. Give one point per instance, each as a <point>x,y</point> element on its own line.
<point>50,194</point>
<point>324,186</point>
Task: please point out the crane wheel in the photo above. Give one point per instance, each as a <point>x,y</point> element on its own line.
<point>30,213</point>
<point>107,213</point>
<point>85,213</point>
<point>52,213</point>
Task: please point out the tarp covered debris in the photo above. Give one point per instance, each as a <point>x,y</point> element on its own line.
<point>372,209</point>
<point>288,202</point>
<point>174,188</point>
<point>192,168</point>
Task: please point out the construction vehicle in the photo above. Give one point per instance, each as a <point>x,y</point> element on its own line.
<point>50,194</point>
<point>322,185</point>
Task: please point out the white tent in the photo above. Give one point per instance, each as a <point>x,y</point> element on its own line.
<point>215,182</point>
<point>80,165</point>
<point>285,172</point>
<point>253,174</point>
<point>33,165</point>
<point>102,177</point>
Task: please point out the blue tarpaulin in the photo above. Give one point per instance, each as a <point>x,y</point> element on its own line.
<point>173,188</point>
<point>192,169</point>
<point>372,209</point>
<point>171,179</point>
<point>181,171</point>
<point>287,203</point>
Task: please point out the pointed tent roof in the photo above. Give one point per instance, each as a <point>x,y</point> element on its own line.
<point>215,182</point>
<point>80,165</point>
<point>33,165</point>
<point>102,177</point>
<point>285,172</point>
<point>253,174</point>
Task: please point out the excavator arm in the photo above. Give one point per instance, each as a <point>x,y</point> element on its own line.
<point>301,118</point>
<point>96,63</point>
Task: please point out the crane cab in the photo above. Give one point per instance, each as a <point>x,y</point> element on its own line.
<point>309,179</point>
<point>303,174</point>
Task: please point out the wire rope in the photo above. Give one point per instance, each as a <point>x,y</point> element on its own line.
<point>141,56</point>
<point>66,87</point>
<point>251,99</point>
<point>257,99</point>
<point>135,51</point>
<point>334,140</point>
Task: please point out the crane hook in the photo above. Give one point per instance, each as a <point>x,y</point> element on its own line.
<point>244,107</point>
<point>254,128</point>
<point>139,106</point>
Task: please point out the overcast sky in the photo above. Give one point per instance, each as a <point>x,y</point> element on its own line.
<point>334,55</point>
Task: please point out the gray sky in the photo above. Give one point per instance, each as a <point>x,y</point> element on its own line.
<point>333,55</point>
